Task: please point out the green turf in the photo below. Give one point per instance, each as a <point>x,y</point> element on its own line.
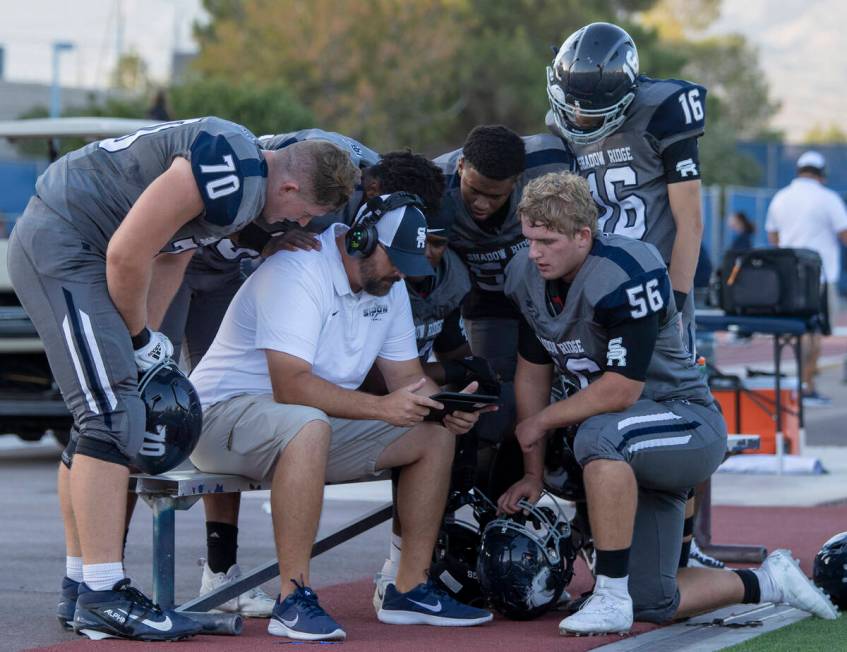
<point>811,634</point>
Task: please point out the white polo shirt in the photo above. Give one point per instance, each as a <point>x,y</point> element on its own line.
<point>301,303</point>
<point>808,215</point>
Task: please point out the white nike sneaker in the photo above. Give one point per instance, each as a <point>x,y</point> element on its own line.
<point>699,559</point>
<point>798,590</point>
<point>388,575</point>
<point>603,612</point>
<point>254,603</point>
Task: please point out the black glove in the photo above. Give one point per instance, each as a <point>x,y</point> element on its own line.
<point>469,369</point>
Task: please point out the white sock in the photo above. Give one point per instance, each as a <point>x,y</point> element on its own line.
<point>73,568</point>
<point>102,577</point>
<point>768,589</point>
<point>395,549</point>
<point>617,586</point>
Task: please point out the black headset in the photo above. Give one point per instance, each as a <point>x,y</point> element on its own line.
<point>362,238</point>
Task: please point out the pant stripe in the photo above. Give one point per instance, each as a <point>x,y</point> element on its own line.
<point>647,418</point>
<point>86,359</point>
<point>655,443</point>
<point>656,430</point>
<point>98,360</point>
<point>89,398</point>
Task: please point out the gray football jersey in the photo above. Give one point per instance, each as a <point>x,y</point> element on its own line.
<point>486,254</point>
<point>225,254</point>
<point>94,187</point>
<point>452,283</point>
<point>625,170</point>
<point>622,279</point>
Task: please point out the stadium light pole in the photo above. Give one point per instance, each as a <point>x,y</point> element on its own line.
<point>55,87</point>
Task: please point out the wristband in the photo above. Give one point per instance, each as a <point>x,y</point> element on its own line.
<point>680,298</point>
<point>141,339</point>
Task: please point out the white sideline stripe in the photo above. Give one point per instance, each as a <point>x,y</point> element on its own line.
<point>98,360</point>
<point>77,367</point>
<point>655,443</point>
<point>647,418</point>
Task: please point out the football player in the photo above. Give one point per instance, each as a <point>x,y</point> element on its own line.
<point>106,219</point>
<point>599,307</point>
<point>635,141</point>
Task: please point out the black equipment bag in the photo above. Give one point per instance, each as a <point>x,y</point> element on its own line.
<point>785,282</point>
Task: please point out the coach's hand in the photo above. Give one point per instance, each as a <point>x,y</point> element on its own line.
<point>528,487</point>
<point>158,348</point>
<point>294,240</point>
<point>529,432</point>
<point>404,408</point>
<point>461,422</point>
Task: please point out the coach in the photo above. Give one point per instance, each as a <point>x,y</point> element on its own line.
<point>278,391</point>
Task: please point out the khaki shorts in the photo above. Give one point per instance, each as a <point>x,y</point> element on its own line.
<point>244,435</point>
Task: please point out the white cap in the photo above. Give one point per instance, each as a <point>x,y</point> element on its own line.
<point>811,159</point>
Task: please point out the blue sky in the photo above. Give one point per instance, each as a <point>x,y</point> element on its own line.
<point>800,43</point>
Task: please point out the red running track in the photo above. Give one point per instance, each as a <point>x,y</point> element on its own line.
<point>801,529</point>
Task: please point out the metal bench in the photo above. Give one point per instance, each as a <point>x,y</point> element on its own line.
<point>179,490</point>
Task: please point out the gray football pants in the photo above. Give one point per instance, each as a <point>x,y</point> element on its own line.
<point>60,280</point>
<point>671,447</point>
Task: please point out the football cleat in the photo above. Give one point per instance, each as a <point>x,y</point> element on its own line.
<point>254,603</point>
<point>603,612</point>
<point>797,589</point>
<point>699,559</point>
<point>67,602</point>
<point>125,612</point>
<point>427,604</point>
<point>301,617</point>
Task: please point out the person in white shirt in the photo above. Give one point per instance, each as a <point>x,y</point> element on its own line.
<point>279,393</point>
<point>807,215</point>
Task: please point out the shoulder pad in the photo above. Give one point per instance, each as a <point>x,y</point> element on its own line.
<point>680,110</point>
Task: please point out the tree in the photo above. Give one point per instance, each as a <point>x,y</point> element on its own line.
<point>130,74</point>
<point>824,135</point>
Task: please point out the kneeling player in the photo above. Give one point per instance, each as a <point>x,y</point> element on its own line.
<point>600,308</point>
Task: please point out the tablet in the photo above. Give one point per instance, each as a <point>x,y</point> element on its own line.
<point>456,401</point>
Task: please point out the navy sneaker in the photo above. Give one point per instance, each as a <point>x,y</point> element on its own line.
<point>426,604</point>
<point>125,612</point>
<point>67,603</point>
<point>301,617</point>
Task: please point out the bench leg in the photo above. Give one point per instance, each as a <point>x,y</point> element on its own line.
<point>164,545</point>
<point>724,552</point>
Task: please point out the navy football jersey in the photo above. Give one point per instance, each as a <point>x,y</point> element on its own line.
<point>626,171</point>
<point>94,187</point>
<point>484,253</point>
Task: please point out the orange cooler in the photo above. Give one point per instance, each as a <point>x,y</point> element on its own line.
<point>757,406</point>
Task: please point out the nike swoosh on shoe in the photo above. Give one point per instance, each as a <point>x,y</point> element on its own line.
<point>434,608</point>
<point>162,625</point>
<point>290,623</point>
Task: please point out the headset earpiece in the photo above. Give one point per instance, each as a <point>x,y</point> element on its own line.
<point>362,238</point>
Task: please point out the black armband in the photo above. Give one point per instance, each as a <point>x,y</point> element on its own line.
<point>529,348</point>
<point>253,237</point>
<point>631,346</point>
<point>680,298</point>
<point>681,161</point>
<point>141,338</point>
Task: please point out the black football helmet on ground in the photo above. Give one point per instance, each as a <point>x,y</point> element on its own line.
<point>526,561</point>
<point>592,81</point>
<point>830,569</point>
<point>174,419</point>
<point>454,558</point>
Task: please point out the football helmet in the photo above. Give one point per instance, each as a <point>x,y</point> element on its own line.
<point>830,569</point>
<point>457,547</point>
<point>562,473</point>
<point>526,561</point>
<point>174,419</point>
<point>592,81</point>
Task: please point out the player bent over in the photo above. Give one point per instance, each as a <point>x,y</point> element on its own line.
<point>600,308</point>
<point>278,386</point>
<point>102,223</point>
